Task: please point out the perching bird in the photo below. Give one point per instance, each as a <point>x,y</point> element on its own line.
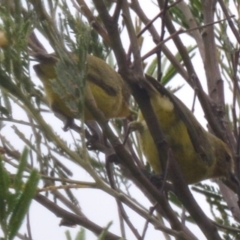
<point>110,93</point>
<point>105,85</point>
<point>199,154</point>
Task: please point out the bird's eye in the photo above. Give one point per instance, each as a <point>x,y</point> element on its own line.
<point>228,158</point>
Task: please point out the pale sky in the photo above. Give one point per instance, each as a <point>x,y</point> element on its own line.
<point>45,225</point>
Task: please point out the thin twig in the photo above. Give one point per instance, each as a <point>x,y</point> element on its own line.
<point>175,34</point>
<point>232,26</point>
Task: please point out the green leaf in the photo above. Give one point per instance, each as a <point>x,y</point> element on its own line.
<point>81,235</point>
<point>22,204</point>
<point>22,166</point>
<point>4,185</point>
<point>102,236</point>
<point>152,67</point>
<point>68,235</point>
<point>168,70</point>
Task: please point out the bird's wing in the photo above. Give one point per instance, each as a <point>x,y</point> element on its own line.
<point>103,76</point>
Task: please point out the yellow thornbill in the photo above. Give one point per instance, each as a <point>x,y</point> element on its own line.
<point>107,87</point>
<point>199,154</point>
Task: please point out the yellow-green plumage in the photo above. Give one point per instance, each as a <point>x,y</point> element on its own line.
<point>3,39</point>
<point>107,87</point>
<point>194,167</point>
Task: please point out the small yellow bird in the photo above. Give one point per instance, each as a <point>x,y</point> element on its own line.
<point>199,154</point>
<point>107,87</point>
